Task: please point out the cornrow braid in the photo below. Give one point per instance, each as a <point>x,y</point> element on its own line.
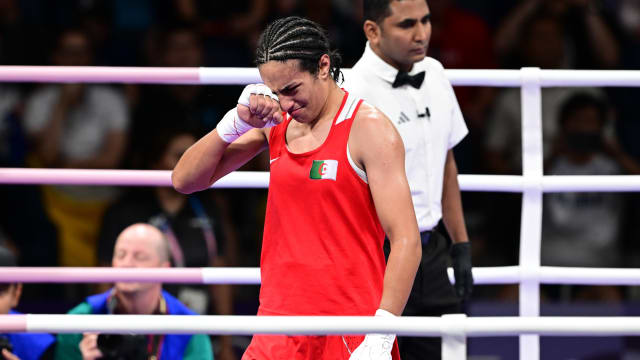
<point>297,38</point>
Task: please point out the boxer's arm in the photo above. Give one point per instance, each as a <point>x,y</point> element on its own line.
<point>378,147</point>
<point>238,137</point>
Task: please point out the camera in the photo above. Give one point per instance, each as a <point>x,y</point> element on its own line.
<point>5,344</point>
<point>122,347</point>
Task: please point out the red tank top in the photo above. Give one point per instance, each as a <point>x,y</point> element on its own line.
<point>322,244</point>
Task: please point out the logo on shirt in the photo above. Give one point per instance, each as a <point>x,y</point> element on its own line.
<point>403,118</point>
<point>324,169</point>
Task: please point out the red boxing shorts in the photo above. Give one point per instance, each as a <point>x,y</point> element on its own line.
<point>283,347</point>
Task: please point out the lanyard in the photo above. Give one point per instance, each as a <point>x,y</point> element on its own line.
<point>162,223</point>
<point>155,342</point>
<point>204,223</point>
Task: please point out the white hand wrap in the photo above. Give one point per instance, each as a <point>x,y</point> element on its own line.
<point>255,89</point>
<point>232,126</point>
<point>375,346</point>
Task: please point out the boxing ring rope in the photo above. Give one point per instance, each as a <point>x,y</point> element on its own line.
<point>529,274</point>
<point>447,325</point>
<point>260,179</point>
<point>251,276</point>
<point>243,76</point>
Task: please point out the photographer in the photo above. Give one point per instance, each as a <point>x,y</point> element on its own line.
<point>144,246</point>
<point>19,346</point>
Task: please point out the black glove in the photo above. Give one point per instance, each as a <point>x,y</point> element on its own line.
<point>461,256</point>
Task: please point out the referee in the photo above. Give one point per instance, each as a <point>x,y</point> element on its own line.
<point>395,76</point>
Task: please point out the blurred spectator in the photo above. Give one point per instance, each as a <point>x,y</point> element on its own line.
<point>12,142</point>
<point>462,40</point>
<point>196,231</point>
<point>230,19</point>
<point>352,8</point>
<point>586,33</point>
<point>628,13</point>
<point>165,107</point>
<point>582,229</point>
<point>22,215</point>
<point>130,25</point>
<point>76,126</point>
<point>343,24</point>
<point>227,26</point>
<point>22,346</point>
<point>542,46</point>
<point>628,126</point>
<point>284,8</point>
<point>138,246</point>
<point>10,33</point>
<point>15,32</point>
<point>626,99</point>
<point>541,43</point>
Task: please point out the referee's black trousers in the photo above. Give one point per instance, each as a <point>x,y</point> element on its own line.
<point>432,295</point>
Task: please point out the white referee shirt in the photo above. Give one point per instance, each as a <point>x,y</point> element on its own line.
<point>428,119</point>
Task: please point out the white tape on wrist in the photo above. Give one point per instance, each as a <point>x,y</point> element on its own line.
<point>231,126</point>
<point>383,340</point>
<point>385,313</point>
<point>374,346</point>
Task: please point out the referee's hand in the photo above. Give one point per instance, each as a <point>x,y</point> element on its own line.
<point>461,256</point>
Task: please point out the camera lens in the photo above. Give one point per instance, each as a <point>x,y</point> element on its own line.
<point>122,347</point>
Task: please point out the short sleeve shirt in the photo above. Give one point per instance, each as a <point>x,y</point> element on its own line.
<point>102,111</point>
<point>428,119</point>
<point>504,130</point>
<point>582,228</point>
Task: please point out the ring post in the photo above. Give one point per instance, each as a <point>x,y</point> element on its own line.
<point>531,215</point>
<point>454,338</point>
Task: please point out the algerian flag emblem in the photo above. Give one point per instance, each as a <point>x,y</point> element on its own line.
<point>324,169</point>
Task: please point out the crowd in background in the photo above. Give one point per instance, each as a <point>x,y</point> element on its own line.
<point>586,131</point>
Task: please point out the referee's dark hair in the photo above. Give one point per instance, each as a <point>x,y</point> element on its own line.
<point>376,10</point>
<point>300,39</point>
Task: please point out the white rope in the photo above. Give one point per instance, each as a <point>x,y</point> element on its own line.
<point>251,276</point>
<point>243,76</point>
<point>554,275</point>
<point>323,325</point>
<point>236,179</point>
<point>532,185</point>
<point>548,78</point>
<point>260,179</point>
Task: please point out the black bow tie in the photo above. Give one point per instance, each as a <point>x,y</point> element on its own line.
<point>403,78</point>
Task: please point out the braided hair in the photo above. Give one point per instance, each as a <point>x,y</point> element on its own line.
<point>297,38</point>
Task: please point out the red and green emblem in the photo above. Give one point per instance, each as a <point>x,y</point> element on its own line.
<point>324,169</point>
